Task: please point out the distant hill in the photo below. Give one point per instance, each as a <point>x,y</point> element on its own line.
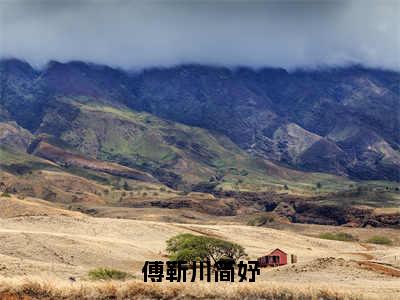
<point>192,123</point>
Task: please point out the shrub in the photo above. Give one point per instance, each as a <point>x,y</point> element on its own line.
<point>380,240</point>
<point>261,220</point>
<point>107,274</point>
<point>244,173</point>
<point>338,236</point>
<point>127,187</point>
<point>204,187</point>
<point>189,247</point>
<point>5,194</point>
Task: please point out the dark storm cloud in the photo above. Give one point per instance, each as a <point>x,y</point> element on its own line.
<point>134,34</point>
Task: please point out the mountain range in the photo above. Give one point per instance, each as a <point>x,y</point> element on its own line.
<point>195,124</point>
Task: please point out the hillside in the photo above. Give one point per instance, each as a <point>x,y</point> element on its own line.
<point>340,121</point>
<point>135,145</point>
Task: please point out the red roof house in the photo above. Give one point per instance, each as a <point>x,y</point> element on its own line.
<point>273,259</point>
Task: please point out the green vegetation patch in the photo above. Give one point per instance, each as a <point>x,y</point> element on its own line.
<point>107,274</point>
<point>338,236</point>
<point>380,240</point>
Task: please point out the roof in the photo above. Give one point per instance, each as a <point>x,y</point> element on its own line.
<point>277,249</point>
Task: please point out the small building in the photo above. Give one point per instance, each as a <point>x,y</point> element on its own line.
<point>276,258</point>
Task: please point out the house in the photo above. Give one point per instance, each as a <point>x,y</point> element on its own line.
<point>276,258</point>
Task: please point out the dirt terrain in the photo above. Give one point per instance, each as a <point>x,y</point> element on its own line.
<point>41,239</point>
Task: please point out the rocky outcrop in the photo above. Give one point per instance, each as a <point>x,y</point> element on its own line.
<point>311,211</point>
<point>286,210</point>
<point>217,207</point>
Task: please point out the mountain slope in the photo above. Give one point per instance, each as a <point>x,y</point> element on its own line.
<point>176,154</point>
<point>102,141</point>
<point>249,106</point>
<point>342,121</point>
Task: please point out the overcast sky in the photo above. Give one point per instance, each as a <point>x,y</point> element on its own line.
<point>133,34</point>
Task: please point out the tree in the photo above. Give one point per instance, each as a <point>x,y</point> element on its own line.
<point>189,247</point>
<point>127,187</point>
<point>205,186</point>
<point>319,185</point>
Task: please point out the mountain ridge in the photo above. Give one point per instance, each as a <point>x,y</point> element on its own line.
<point>342,121</point>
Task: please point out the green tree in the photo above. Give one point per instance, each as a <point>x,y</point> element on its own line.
<point>189,247</point>
<point>127,187</point>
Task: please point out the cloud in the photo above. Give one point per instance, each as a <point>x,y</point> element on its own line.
<point>135,34</point>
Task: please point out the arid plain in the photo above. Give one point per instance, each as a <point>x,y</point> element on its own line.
<point>42,241</point>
